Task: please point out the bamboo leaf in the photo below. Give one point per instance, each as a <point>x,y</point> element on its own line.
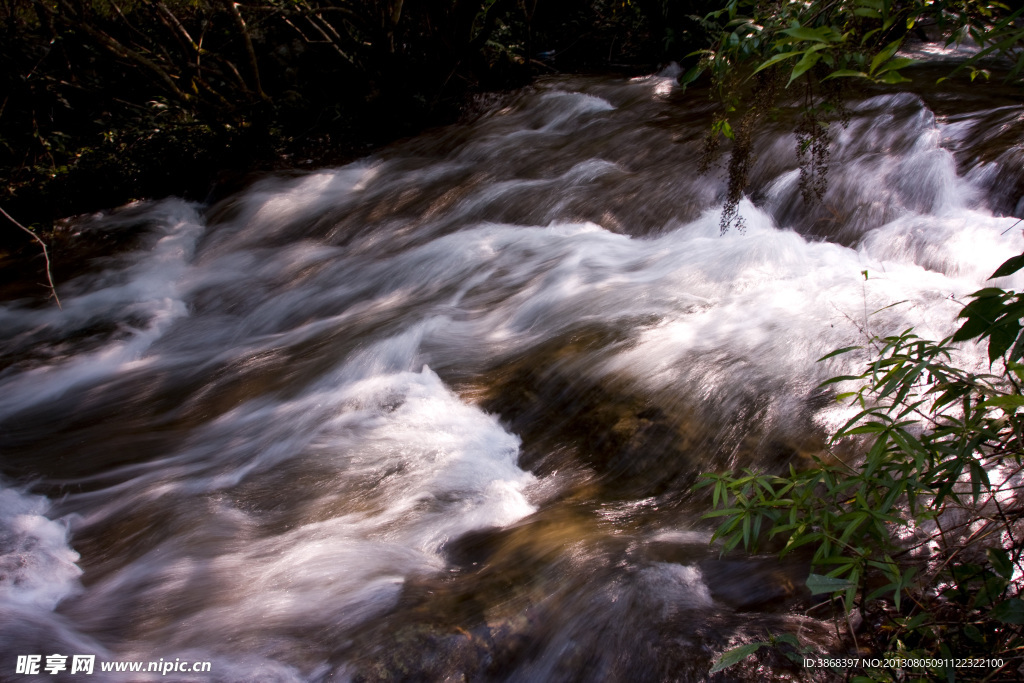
<point>778,58</point>
<point>1010,402</point>
<point>837,352</point>
<point>893,77</point>
<point>1009,267</point>
<point>822,34</point>
<point>886,53</point>
<point>819,583</point>
<point>1009,611</point>
<point>809,60</point>
<point>735,656</point>
<point>897,63</point>
<point>839,378</point>
<point>1001,562</point>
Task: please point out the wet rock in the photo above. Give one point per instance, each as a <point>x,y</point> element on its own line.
<point>753,584</point>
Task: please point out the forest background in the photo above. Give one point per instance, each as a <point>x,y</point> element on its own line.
<point>111,100</point>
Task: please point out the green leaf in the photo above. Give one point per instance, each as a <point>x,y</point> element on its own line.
<point>987,293</point>
<point>723,513</point>
<point>809,60</point>
<point>735,656</point>
<point>893,77</point>
<point>788,638</point>
<point>897,63</point>
<point>691,75</point>
<point>991,590</point>
<point>837,352</point>
<point>887,52</point>
<point>1002,338</point>
<point>1009,401</point>
<point>851,591</point>
<point>1009,611</point>
<point>838,378</point>
<point>895,303</point>
<point>822,34</point>
<point>869,428</point>
<point>1017,369</point>
<point>846,73</point>
<point>1009,267</point>
<point>1000,560</point>
<point>778,58</point>
<point>972,327</point>
<point>819,583</point>
<point>915,622</point>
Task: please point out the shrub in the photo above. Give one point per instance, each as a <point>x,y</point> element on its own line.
<point>923,536</point>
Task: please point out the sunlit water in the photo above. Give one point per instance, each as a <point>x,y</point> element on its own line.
<point>437,414</point>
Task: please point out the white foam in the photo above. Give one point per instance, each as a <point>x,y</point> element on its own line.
<point>142,295</point>
<point>568,107</point>
<point>663,82</point>
<point>37,565</point>
<point>404,467</point>
<point>272,206</point>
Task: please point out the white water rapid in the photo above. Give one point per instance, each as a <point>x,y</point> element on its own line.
<point>437,413</point>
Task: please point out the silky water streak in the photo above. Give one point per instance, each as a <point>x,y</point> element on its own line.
<point>437,413</point>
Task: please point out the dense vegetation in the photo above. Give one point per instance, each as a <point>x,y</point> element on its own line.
<point>109,100</point>
<point>809,52</point>
<point>919,540</point>
<point>113,100</point>
<point>106,101</point>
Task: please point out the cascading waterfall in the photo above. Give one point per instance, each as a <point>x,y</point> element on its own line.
<point>437,413</point>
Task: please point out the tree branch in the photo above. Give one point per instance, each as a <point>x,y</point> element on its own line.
<point>250,52</point>
<point>46,254</point>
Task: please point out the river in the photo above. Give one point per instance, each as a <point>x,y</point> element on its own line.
<point>436,414</point>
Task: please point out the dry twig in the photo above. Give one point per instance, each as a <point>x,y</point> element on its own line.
<point>46,254</point>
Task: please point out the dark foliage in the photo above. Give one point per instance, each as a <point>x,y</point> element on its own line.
<point>111,100</point>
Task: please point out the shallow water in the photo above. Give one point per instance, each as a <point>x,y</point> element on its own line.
<point>437,414</point>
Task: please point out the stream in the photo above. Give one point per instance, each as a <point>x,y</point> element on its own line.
<point>437,414</point>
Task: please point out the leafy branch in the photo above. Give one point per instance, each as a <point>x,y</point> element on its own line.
<point>757,46</point>
<point>922,534</point>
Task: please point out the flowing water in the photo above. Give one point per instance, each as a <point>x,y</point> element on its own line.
<point>436,415</point>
